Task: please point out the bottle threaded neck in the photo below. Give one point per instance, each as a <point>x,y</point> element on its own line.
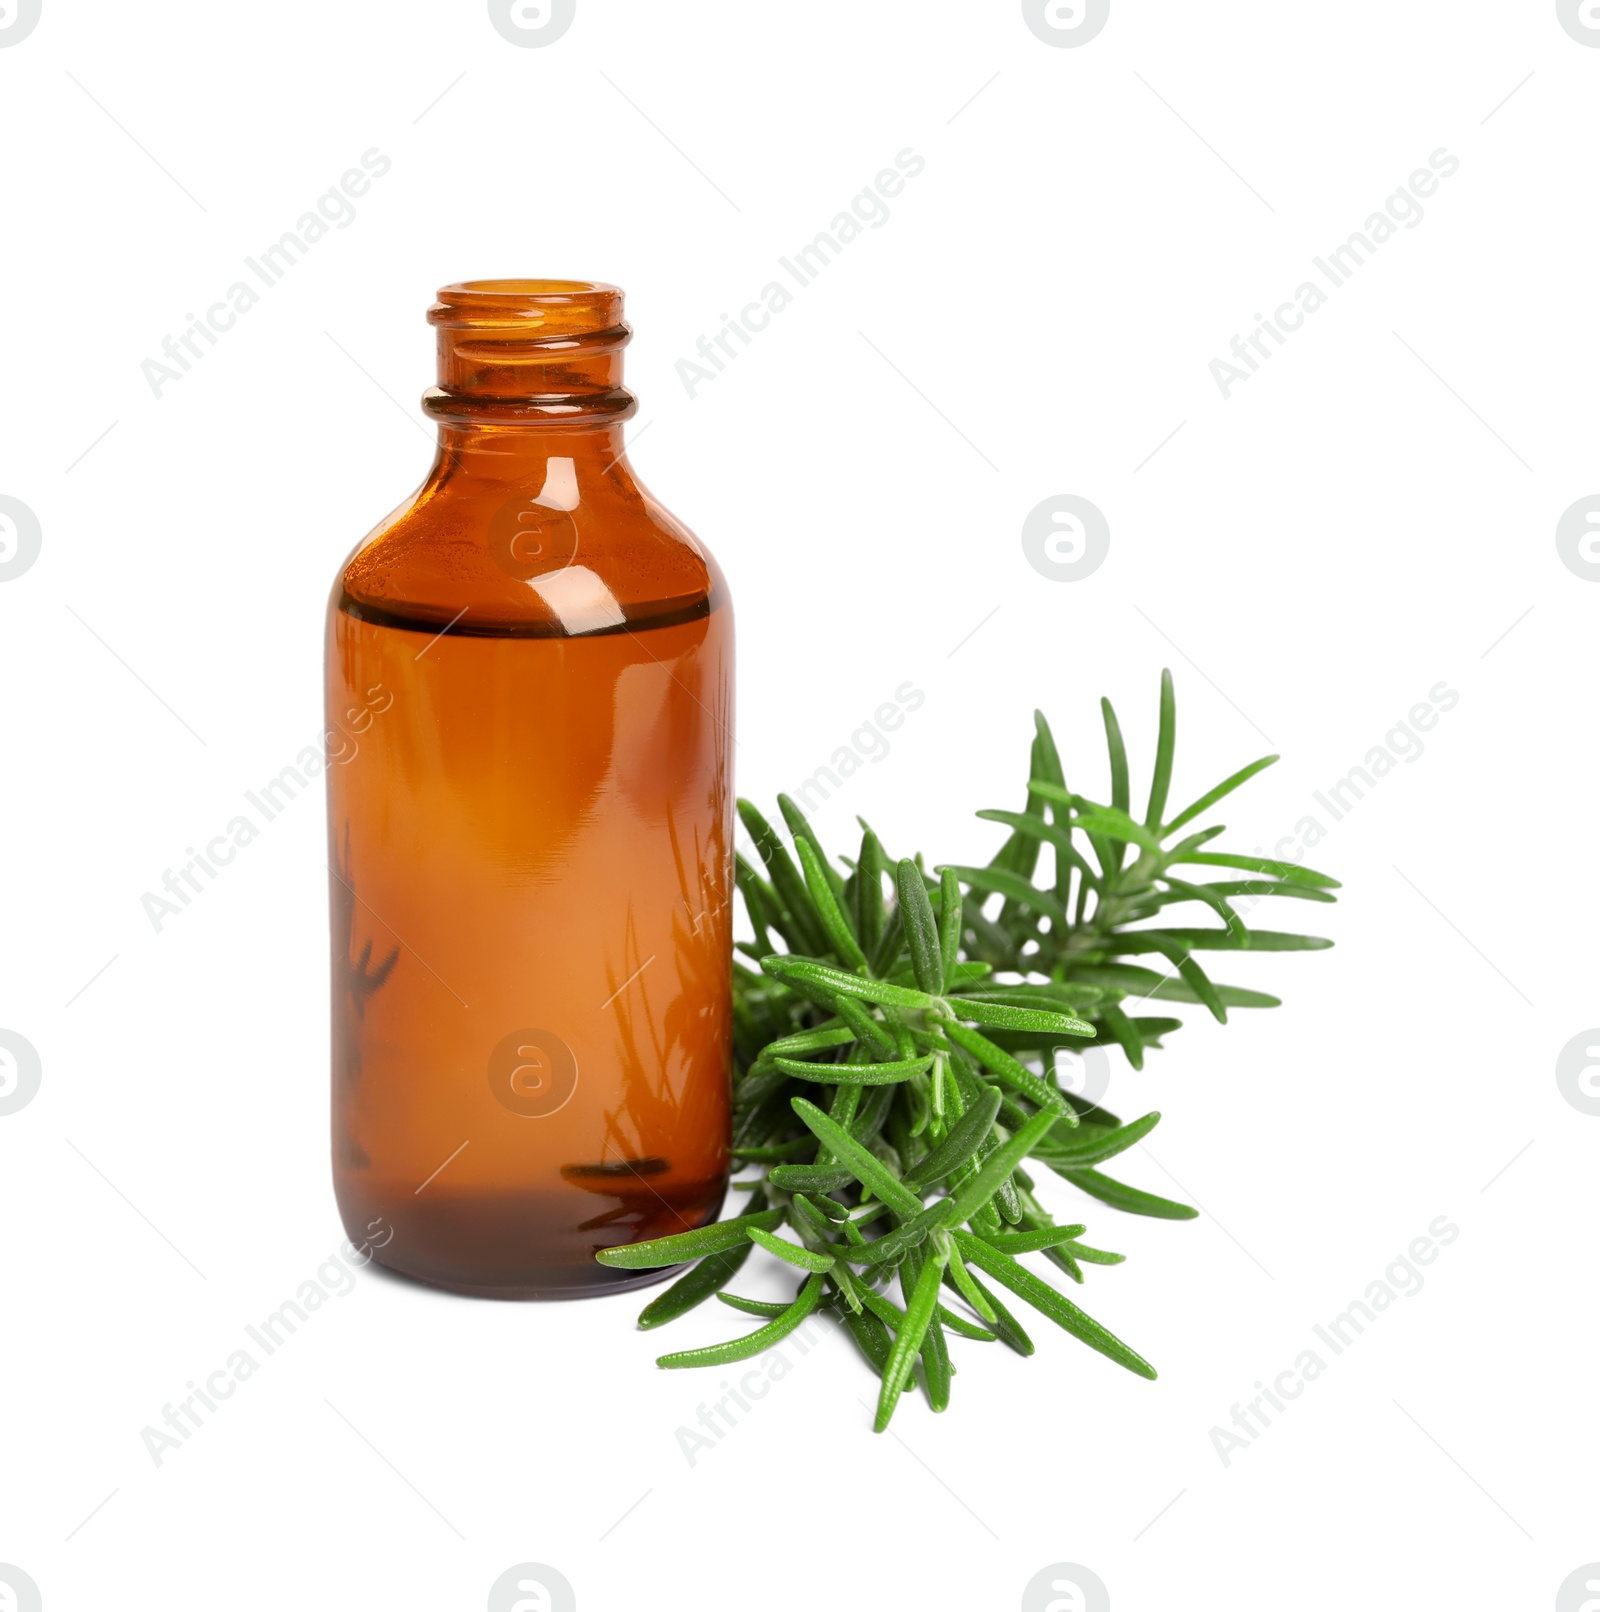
<point>529,352</point>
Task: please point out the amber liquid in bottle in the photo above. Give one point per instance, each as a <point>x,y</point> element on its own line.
<point>530,714</point>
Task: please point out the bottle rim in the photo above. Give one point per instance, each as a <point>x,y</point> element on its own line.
<point>539,307</point>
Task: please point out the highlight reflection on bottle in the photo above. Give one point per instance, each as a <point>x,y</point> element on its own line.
<point>531,853</point>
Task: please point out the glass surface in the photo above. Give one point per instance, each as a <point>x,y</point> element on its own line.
<point>530,711</point>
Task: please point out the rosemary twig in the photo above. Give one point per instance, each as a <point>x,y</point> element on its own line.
<point>895,1060</point>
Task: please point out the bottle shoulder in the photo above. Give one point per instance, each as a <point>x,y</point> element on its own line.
<point>559,556</point>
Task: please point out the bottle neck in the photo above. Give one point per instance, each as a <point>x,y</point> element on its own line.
<point>530,406</point>
<point>529,370</point>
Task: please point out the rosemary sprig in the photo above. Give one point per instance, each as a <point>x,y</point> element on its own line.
<point>895,1060</point>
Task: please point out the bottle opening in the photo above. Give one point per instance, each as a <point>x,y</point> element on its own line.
<point>548,307</point>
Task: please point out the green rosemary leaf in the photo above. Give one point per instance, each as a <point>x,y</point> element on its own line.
<point>908,1340</point>
<point>1093,1256</point>
<point>922,929</point>
<point>1016,1018</point>
<point>1161,777</point>
<point>1113,824</point>
<point>1119,757</point>
<point>1007,1070</point>
<point>1212,796</point>
<point>802,928</point>
<point>1247,940</point>
<point>870,1171</point>
<point>896,1023</point>
<point>1152,1029</point>
<point>835,980</point>
<point>752,1306</point>
<point>1208,895</point>
<point>893,1317</point>
<point>834,1212</point>
<point>962,1327</point>
<point>869,891</point>
<point>760,903</point>
<point>1145,983</point>
<point>844,1106</point>
<point>1046,764</point>
<point>1176,855</point>
<point>1053,997</point>
<point>968,1287</point>
<point>963,1204</point>
<point>936,1368</point>
<point>1171,945</point>
<point>815,1220</point>
<point>1024,849</point>
<point>893,1246</point>
<point>1064,1262</point>
<point>1047,1301</point>
<point>885,1309</point>
<point>876,1101</point>
<point>1129,1199</point>
<point>845,946</point>
<point>809,1177</point>
<point>1269,887</point>
<point>1124,1031</point>
<point>1094,1145</point>
<point>753,1343</point>
<point>860,1074</point>
<point>871,1336</point>
<point>1045,754</point>
<point>803,1257</point>
<point>800,829</point>
<point>688,1244</point>
<point>804,990</point>
<point>999,881</point>
<point>1231,995</point>
<point>949,926</point>
<point>1007,1328</point>
<point>1291,871</point>
<point>1030,1242</point>
<point>774,1154</point>
<point>1007,1202</point>
<point>694,1287</point>
<point>818,1040</point>
<point>965,1137</point>
<point>867,1030</point>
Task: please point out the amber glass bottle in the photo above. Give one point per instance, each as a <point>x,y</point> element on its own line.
<point>530,714</point>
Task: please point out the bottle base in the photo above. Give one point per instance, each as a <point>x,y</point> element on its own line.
<point>550,1287</point>
<point>522,1246</point>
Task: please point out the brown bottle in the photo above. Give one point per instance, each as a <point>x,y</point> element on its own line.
<point>530,715</point>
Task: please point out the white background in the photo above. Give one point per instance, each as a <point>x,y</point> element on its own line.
<point>1372,514</point>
